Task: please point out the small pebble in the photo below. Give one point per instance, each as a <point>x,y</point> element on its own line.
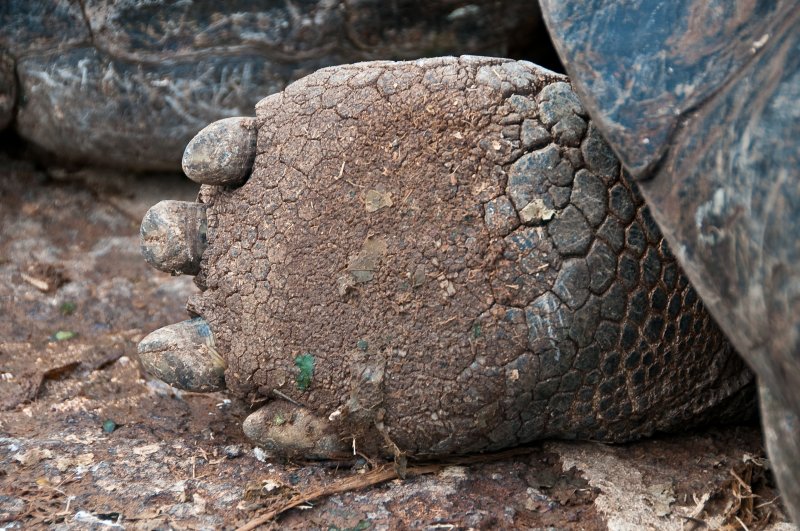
<point>260,454</point>
<point>233,451</point>
<point>109,426</point>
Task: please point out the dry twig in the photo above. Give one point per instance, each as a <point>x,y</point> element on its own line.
<point>374,477</point>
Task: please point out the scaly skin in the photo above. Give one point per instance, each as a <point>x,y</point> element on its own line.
<point>439,257</point>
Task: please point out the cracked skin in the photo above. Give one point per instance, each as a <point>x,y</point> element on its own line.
<point>458,259</point>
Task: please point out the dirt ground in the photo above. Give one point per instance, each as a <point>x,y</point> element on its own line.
<point>89,441</point>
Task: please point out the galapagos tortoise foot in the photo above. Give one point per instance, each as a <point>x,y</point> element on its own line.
<point>431,257</point>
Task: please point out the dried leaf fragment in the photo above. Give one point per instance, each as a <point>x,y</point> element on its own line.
<point>377,200</point>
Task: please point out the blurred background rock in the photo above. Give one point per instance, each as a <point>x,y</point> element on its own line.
<point>127,83</point>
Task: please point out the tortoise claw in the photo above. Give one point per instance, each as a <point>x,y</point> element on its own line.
<point>291,430</point>
<point>183,355</point>
<point>222,153</point>
<point>173,236</point>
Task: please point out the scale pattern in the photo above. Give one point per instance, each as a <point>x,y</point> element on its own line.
<point>445,254</point>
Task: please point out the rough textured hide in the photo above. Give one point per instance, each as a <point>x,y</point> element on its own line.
<point>453,245</point>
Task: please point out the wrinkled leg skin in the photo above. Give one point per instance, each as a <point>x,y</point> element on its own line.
<point>431,257</point>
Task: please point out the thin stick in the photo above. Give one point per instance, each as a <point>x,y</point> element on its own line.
<point>281,395</point>
<point>741,523</point>
<point>375,477</point>
<point>360,481</point>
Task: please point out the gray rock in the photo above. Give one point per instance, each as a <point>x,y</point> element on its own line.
<point>127,84</point>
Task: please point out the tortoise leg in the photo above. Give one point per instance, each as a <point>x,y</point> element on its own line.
<point>326,258</point>
<point>782,434</point>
